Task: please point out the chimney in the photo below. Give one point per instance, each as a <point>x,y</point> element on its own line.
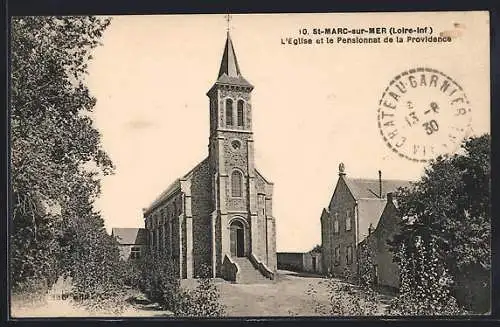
<point>389,197</point>
<point>380,184</point>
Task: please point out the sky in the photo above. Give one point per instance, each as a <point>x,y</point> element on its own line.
<point>314,106</point>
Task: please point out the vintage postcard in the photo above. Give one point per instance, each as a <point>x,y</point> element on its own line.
<point>250,165</point>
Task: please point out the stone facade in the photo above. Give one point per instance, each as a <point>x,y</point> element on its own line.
<point>337,233</point>
<point>374,252</point>
<point>355,207</point>
<point>222,207</point>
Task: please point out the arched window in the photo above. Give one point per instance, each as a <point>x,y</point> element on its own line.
<point>229,112</point>
<point>240,112</point>
<point>236,181</point>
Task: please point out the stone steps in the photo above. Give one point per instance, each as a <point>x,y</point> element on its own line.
<point>248,274</point>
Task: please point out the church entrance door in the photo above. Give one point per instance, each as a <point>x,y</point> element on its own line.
<point>237,239</point>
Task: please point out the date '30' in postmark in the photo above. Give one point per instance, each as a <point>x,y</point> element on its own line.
<point>423,113</point>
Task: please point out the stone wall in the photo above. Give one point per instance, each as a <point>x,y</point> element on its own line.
<point>271,256</point>
<point>266,238</point>
<point>229,270</point>
<point>341,201</point>
<point>166,230</point>
<point>375,255</point>
<point>308,262</point>
<point>236,159</point>
<point>235,95</point>
<point>326,242</point>
<point>293,261</point>
<point>202,207</point>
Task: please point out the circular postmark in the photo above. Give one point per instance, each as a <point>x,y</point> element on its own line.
<point>423,113</point>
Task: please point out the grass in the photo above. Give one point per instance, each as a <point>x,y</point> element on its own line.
<point>285,297</point>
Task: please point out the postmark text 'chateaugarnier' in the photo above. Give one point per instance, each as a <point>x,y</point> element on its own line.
<point>423,113</point>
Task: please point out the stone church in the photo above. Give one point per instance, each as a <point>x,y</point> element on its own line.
<point>219,214</point>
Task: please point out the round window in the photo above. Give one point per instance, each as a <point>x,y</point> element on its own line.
<point>236,144</point>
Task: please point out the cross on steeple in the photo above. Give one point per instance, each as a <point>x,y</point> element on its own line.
<point>228,19</point>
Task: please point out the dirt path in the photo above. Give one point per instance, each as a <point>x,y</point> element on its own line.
<point>286,297</point>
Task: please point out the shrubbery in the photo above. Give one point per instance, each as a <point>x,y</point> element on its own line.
<point>425,283</point>
<point>31,292</point>
<point>158,279</point>
<point>203,301</point>
<point>57,161</point>
<point>444,244</point>
<point>344,298</point>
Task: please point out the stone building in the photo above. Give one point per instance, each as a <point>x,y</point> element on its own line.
<point>132,242</point>
<point>374,253</point>
<point>219,214</point>
<point>300,261</point>
<point>355,207</point>
<point>375,260</point>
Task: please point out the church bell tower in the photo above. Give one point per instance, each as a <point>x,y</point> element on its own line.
<point>231,152</point>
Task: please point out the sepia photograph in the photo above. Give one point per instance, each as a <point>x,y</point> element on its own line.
<point>250,165</point>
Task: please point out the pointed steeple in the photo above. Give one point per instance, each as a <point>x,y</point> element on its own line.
<point>229,63</point>
<point>229,71</point>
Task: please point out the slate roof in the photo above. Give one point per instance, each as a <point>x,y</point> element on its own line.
<point>262,176</point>
<point>369,188</point>
<point>129,236</point>
<point>229,71</point>
<point>238,80</point>
<point>173,187</point>
<point>370,205</point>
<point>369,212</point>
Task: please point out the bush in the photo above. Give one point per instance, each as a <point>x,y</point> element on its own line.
<point>132,273</point>
<point>345,299</point>
<point>203,301</point>
<point>425,284</point>
<point>159,279</point>
<point>160,282</point>
<point>92,260</point>
<point>31,292</point>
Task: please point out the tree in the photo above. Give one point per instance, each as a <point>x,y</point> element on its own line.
<point>424,286</point>
<point>56,155</point>
<point>449,208</point>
